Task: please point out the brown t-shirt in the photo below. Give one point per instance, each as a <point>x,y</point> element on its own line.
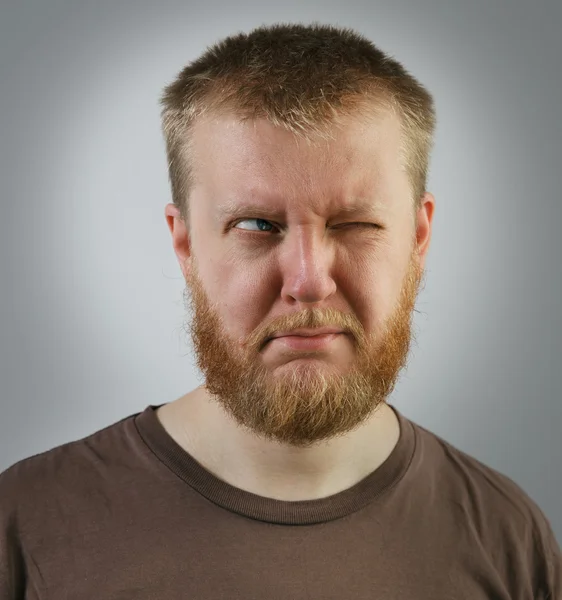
<point>126,513</point>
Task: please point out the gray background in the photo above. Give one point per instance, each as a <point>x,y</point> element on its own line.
<point>91,293</point>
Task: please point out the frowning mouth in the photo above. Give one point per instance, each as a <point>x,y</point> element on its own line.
<point>302,332</point>
<point>306,342</point>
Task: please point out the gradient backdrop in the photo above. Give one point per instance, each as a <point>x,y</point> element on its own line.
<point>91,303</point>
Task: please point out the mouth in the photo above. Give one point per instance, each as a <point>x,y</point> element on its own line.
<point>308,343</point>
<point>306,333</point>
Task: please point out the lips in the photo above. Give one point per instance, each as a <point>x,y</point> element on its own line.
<point>307,332</point>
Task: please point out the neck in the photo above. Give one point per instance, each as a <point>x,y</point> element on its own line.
<point>270,469</point>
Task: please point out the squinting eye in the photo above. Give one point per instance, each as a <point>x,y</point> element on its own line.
<point>260,221</point>
<point>349,225</point>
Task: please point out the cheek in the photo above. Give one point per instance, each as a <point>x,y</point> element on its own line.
<point>243,296</point>
<point>372,286</point>
<point>366,293</point>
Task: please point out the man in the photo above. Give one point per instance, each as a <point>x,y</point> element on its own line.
<point>298,159</point>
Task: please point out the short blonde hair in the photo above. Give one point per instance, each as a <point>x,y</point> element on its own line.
<point>299,77</point>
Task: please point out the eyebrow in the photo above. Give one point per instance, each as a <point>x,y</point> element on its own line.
<point>231,209</point>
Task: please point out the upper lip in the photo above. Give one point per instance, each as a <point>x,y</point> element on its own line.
<point>307,332</point>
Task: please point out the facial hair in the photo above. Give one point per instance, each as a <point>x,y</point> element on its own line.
<point>307,402</point>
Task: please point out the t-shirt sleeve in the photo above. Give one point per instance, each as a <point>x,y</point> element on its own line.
<point>12,568</point>
<point>549,561</point>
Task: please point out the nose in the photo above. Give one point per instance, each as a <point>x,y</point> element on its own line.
<point>307,263</point>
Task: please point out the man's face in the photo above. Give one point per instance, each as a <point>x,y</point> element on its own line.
<point>294,259</point>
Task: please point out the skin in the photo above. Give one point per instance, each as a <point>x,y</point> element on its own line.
<point>286,424</point>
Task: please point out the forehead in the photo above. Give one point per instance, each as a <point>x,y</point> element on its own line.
<point>256,159</point>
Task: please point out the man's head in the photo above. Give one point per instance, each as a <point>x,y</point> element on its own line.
<point>286,231</point>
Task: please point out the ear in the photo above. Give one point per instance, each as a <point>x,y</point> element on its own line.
<point>180,237</point>
<point>424,218</point>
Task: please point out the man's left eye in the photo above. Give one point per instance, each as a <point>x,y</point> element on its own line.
<point>359,224</point>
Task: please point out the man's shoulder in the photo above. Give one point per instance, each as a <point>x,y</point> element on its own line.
<point>35,476</point>
<point>488,510</point>
<point>498,510</point>
<point>463,473</point>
